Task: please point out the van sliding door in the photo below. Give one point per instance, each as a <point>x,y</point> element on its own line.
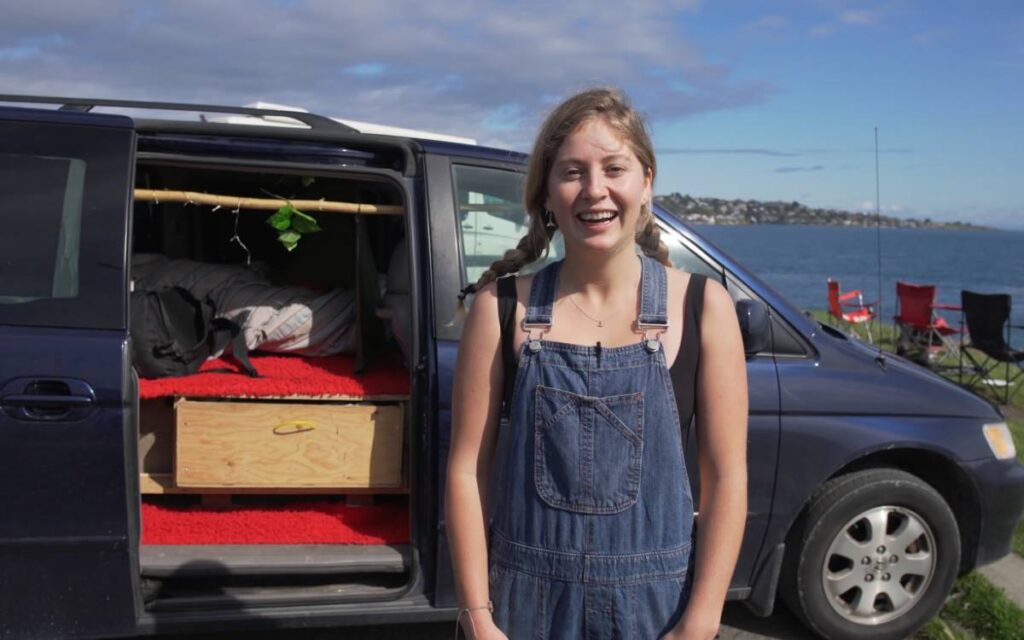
<point>68,512</point>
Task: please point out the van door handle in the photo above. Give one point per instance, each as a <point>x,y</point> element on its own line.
<point>47,399</point>
<point>48,402</point>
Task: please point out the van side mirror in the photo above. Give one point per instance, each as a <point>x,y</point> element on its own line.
<point>755,326</point>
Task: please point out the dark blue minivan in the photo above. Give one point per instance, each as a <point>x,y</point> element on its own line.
<point>133,506</point>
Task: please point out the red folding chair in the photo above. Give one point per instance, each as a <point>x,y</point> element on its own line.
<point>925,336</point>
<point>859,312</point>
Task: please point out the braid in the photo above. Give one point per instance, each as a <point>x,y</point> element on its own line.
<point>531,247</point>
<point>648,236</point>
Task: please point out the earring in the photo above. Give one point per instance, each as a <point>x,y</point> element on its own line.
<point>549,219</point>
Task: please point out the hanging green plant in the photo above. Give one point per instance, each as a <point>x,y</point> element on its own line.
<point>291,225</point>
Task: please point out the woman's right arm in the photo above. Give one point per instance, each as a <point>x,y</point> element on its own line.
<point>476,402</point>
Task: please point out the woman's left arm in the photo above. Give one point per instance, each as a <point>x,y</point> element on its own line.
<point>722,457</point>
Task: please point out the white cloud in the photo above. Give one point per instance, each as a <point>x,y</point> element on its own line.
<point>822,30</point>
<point>859,17</point>
<point>767,23</point>
<point>847,18</point>
<point>445,65</point>
<point>932,36</point>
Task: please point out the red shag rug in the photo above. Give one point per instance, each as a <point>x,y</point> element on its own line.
<point>327,521</point>
<point>285,376</point>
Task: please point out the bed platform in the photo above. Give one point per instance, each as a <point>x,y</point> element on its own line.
<point>307,425</point>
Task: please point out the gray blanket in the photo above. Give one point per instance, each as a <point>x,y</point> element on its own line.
<point>274,318</point>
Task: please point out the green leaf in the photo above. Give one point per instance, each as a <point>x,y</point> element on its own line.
<point>308,180</point>
<point>290,239</point>
<point>282,218</point>
<point>304,223</point>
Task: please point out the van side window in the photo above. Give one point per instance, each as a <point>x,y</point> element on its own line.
<point>491,218</point>
<point>686,258</point>
<point>63,197</point>
<point>41,245</point>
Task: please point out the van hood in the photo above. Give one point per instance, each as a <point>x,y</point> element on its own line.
<point>853,379</point>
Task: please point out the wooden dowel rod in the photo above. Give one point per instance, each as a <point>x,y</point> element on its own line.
<point>267,204</point>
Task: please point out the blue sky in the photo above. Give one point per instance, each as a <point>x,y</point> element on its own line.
<point>773,101</point>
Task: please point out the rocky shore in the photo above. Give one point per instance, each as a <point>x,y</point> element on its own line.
<point>742,212</point>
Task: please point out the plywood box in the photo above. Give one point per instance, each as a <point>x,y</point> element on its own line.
<point>287,445</point>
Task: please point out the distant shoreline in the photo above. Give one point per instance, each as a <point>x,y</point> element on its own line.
<point>716,211</point>
<point>939,226</point>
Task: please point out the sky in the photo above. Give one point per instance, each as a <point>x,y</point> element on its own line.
<point>744,99</point>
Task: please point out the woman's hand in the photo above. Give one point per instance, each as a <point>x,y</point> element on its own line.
<point>695,627</point>
<point>479,625</point>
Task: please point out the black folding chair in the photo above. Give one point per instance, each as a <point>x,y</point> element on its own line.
<point>987,317</point>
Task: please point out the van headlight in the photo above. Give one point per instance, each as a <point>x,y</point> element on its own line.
<point>999,440</point>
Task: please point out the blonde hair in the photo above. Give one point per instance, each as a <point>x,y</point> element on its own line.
<point>612,106</point>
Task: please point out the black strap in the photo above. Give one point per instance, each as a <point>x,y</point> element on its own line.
<point>684,369</point>
<point>223,332</point>
<point>507,298</point>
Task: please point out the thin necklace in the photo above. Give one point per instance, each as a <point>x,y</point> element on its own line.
<point>599,321</point>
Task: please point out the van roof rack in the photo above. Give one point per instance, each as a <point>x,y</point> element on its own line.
<point>311,120</point>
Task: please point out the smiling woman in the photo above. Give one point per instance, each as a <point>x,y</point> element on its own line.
<point>575,517</point>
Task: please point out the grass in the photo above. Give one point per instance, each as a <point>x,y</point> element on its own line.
<point>976,609</point>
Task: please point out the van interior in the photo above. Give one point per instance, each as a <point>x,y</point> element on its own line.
<point>257,490</point>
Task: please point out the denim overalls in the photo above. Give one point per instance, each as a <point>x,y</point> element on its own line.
<point>592,520</point>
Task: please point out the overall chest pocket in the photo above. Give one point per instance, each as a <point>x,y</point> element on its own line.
<point>588,450</point>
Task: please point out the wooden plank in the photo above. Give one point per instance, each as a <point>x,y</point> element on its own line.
<point>394,397</point>
<point>277,445</point>
<point>156,483</point>
<point>163,483</point>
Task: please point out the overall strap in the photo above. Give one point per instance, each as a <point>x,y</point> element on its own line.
<point>542,295</point>
<point>507,297</point>
<point>653,294</point>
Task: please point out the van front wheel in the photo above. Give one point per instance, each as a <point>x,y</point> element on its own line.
<point>874,557</point>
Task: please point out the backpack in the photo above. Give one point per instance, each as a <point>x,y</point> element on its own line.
<point>174,333</point>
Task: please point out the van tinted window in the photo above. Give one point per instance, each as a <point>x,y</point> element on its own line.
<point>40,260</point>
<point>63,194</point>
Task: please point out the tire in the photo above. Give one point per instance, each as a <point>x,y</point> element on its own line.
<point>847,579</point>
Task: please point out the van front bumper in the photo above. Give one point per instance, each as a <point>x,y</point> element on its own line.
<point>1000,485</point>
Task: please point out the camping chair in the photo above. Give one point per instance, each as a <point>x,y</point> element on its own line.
<point>986,315</point>
<point>859,313</point>
<point>924,336</point>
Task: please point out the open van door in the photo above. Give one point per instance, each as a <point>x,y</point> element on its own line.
<point>69,523</point>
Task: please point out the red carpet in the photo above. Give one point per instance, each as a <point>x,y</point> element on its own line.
<point>285,376</point>
<point>300,521</point>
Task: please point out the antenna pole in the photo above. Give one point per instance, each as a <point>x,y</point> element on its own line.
<point>878,235</point>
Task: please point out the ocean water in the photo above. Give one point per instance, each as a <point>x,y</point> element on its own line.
<point>797,260</point>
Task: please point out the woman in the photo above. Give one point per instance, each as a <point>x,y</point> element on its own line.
<point>575,517</point>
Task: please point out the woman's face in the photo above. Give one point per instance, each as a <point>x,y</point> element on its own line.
<point>596,188</point>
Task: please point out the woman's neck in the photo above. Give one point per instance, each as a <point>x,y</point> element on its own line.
<point>600,278</point>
